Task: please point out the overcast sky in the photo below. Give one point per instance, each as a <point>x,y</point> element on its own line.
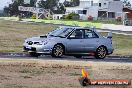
<point>6,2</point>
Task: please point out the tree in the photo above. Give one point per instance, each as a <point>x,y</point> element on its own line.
<point>60,9</point>
<point>53,5</point>
<point>127,3</point>
<point>76,2</point>
<point>12,9</point>
<point>71,3</point>
<point>68,4</point>
<point>32,2</point>
<point>48,4</point>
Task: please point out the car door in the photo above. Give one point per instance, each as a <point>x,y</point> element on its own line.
<point>91,40</point>
<point>75,41</point>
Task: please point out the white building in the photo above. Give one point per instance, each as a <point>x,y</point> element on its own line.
<point>97,9</point>
<point>57,16</point>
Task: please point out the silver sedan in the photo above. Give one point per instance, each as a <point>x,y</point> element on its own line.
<point>75,41</point>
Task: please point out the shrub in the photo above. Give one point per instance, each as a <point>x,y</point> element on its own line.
<point>49,17</point>
<point>118,18</point>
<point>90,18</point>
<point>33,16</point>
<point>72,16</point>
<point>63,17</point>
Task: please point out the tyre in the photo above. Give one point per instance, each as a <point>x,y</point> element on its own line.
<point>33,54</point>
<point>101,52</point>
<point>57,51</point>
<point>78,56</point>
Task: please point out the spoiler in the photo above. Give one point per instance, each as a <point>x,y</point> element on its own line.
<point>109,35</point>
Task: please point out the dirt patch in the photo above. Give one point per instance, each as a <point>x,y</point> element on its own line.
<point>57,73</point>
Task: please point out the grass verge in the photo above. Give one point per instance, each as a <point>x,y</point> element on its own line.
<point>64,22</point>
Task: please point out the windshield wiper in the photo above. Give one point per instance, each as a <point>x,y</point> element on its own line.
<point>60,36</point>
<point>52,35</point>
<point>57,36</point>
<point>43,36</point>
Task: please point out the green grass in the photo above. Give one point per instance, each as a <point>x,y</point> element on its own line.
<point>72,23</point>
<point>65,22</point>
<point>122,44</point>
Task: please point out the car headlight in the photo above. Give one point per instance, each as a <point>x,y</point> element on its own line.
<point>25,41</point>
<point>42,43</point>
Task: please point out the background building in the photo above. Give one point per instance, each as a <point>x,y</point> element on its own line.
<point>127,19</point>
<point>98,9</point>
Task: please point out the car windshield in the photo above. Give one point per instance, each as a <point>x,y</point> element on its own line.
<point>60,32</point>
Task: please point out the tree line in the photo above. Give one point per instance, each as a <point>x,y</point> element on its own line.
<point>54,5</point>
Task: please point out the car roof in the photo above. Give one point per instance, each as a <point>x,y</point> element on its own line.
<point>77,27</point>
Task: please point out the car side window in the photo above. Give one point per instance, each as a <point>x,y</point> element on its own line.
<point>77,34</point>
<point>90,34</point>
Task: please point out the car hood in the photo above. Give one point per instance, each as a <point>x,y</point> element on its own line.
<point>42,38</point>
<point>37,39</point>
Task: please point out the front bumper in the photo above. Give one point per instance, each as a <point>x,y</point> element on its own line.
<point>32,49</point>
<point>42,50</point>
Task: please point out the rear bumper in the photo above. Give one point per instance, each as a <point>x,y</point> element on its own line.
<point>110,51</point>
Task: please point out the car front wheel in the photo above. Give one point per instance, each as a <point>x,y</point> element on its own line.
<point>57,51</point>
<point>101,52</point>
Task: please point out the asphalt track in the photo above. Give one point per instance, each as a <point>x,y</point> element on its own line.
<point>69,58</point>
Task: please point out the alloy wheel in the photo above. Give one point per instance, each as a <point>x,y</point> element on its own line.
<point>57,51</point>
<point>101,52</point>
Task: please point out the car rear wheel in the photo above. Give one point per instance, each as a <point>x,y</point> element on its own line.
<point>57,51</point>
<point>33,54</point>
<point>101,52</point>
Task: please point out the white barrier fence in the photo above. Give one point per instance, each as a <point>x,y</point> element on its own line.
<point>39,11</point>
<point>33,9</point>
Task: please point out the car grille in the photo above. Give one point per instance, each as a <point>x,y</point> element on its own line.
<point>36,42</point>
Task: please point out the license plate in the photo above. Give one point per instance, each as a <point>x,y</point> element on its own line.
<point>28,47</point>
